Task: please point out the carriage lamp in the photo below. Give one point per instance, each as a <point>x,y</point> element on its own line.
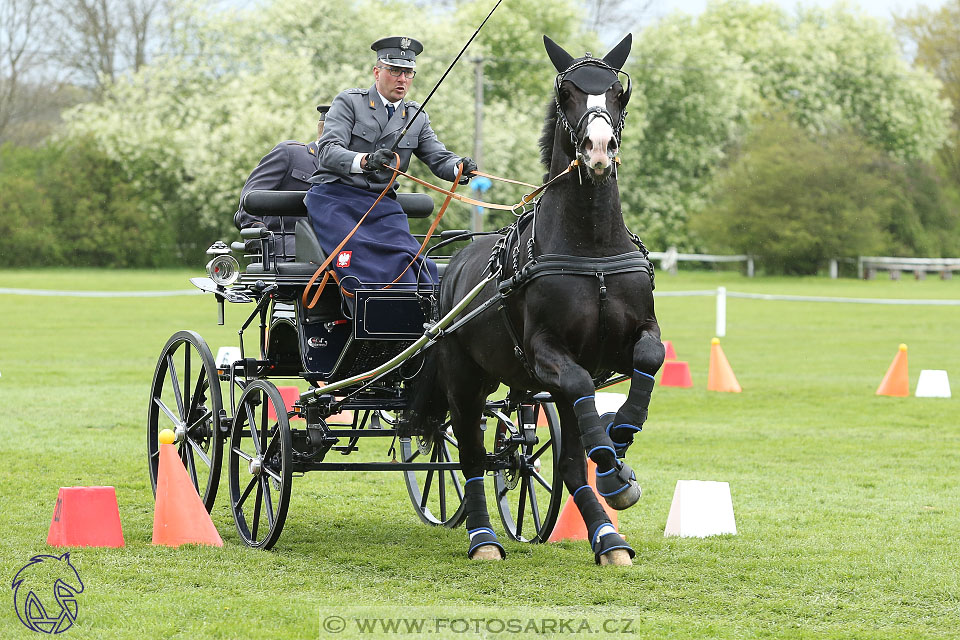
<point>223,269</point>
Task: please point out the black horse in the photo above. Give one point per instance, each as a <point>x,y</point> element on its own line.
<point>577,306</point>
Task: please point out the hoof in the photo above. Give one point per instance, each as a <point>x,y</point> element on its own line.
<point>626,498</point>
<point>487,552</point>
<point>619,487</point>
<point>617,557</point>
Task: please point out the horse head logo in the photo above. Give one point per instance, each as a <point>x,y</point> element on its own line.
<point>45,593</point>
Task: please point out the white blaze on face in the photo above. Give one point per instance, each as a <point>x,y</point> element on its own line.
<point>599,134</point>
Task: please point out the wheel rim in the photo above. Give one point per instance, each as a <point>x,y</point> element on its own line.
<point>185,397</point>
<point>437,496</point>
<point>260,465</point>
<point>528,493</point>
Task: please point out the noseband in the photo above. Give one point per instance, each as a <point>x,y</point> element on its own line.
<point>592,112</point>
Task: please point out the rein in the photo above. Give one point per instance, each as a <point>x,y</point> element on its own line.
<point>451,194</point>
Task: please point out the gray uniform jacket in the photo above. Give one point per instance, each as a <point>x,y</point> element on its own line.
<point>287,167</point>
<point>357,123</point>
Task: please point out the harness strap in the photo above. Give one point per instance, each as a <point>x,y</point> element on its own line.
<point>555,264</point>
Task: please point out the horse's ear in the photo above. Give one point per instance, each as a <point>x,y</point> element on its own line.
<point>560,58</point>
<point>618,55</point>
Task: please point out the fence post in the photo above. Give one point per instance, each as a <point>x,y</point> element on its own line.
<point>749,269</point>
<point>834,269</point>
<point>721,312</point>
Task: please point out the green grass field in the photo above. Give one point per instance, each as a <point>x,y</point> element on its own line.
<point>846,503</point>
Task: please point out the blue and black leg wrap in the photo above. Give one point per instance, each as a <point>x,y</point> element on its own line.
<point>593,437</point>
<point>631,416</point>
<point>478,521</point>
<point>603,536</point>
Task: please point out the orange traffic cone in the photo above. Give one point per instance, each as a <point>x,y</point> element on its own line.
<point>179,516</point>
<point>897,381</point>
<point>86,517</point>
<point>720,376</point>
<point>676,373</point>
<point>291,395</point>
<point>668,346</point>
<point>570,525</point>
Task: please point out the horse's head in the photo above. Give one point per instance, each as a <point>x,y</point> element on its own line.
<point>591,104</point>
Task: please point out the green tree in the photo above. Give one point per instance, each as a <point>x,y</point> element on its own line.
<point>795,201</point>
<point>705,78</point>
<point>935,33</point>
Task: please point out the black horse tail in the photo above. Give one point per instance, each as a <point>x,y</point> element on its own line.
<point>427,408</point>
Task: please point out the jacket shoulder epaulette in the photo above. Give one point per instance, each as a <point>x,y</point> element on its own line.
<point>357,91</point>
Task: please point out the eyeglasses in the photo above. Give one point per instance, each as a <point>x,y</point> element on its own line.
<point>396,73</point>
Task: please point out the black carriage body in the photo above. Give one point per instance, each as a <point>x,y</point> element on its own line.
<point>335,340</point>
<point>338,337</point>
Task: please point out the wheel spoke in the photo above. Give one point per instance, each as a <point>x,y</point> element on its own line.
<point>539,452</point>
<point>521,504</point>
<point>243,455</point>
<point>442,489</point>
<point>186,454</point>
<point>198,390</point>
<point>539,478</point>
<point>246,492</point>
<point>174,419</point>
<point>414,454</point>
<point>426,489</point>
<point>267,500</point>
<point>199,451</point>
<point>445,452</point>
<point>534,507</point>
<point>175,383</point>
<point>256,510</point>
<point>206,416</point>
<point>273,474</point>
<point>264,423</point>
<point>253,426</point>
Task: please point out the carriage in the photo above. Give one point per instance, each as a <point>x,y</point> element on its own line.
<point>358,357</point>
<point>551,308</point>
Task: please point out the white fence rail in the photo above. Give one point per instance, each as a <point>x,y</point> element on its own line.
<point>722,294</point>
<point>867,266</point>
<point>671,257</point>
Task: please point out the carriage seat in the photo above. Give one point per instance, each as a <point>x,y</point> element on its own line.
<point>309,254</point>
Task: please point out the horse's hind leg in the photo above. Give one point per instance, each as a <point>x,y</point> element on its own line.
<point>608,546</point>
<point>467,397</point>
<point>648,354</point>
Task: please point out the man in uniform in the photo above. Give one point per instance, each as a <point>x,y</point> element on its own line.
<point>287,167</point>
<point>361,128</point>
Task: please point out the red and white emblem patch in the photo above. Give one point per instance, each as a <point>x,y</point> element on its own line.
<point>343,260</point>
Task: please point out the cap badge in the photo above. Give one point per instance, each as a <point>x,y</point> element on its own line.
<point>404,43</point>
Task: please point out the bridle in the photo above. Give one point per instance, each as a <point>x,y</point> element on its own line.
<point>596,111</point>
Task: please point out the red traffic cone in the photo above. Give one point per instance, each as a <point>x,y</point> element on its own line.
<point>675,373</point>
<point>86,517</point>
<point>570,525</point>
<point>179,516</point>
<point>897,380</point>
<point>668,347</point>
<point>720,376</point>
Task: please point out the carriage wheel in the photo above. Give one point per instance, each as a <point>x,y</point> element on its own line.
<point>528,492</point>
<point>185,397</point>
<point>261,465</point>
<point>437,496</point>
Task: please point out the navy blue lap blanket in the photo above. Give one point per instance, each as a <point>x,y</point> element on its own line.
<point>380,249</point>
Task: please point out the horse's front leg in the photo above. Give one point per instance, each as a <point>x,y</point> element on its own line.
<point>648,355</point>
<point>616,482</point>
<point>608,546</point>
